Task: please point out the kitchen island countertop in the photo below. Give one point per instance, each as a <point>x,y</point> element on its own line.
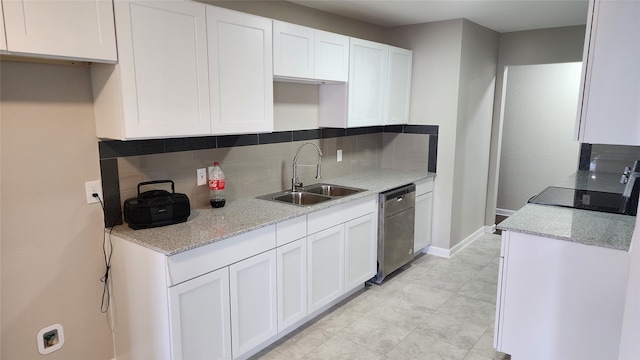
<point>206,226</point>
<point>581,226</point>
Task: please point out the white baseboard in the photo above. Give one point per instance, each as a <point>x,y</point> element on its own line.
<point>504,212</point>
<point>447,253</point>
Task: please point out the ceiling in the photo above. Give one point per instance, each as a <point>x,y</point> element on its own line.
<point>498,15</point>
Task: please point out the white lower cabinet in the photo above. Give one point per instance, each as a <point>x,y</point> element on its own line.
<point>231,298</point>
<point>326,266</point>
<point>292,282</point>
<point>200,317</point>
<point>559,299</point>
<point>361,252</point>
<point>424,209</point>
<point>253,302</point>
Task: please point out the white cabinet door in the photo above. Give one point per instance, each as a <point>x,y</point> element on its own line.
<point>253,301</point>
<point>368,63</point>
<point>293,50</point>
<point>159,87</point>
<point>361,255</point>
<point>241,71</point>
<point>399,85</point>
<point>422,230</point>
<point>3,39</point>
<point>553,284</point>
<point>325,256</point>
<point>61,29</point>
<point>200,317</point>
<point>292,282</point>
<point>332,56</point>
<point>609,106</point>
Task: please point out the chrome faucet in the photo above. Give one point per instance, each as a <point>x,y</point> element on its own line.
<point>295,182</point>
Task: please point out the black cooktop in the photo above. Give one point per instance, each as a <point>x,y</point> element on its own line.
<point>582,199</point>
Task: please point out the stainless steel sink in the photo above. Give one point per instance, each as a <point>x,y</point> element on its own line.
<point>300,198</point>
<point>331,190</point>
<point>310,195</point>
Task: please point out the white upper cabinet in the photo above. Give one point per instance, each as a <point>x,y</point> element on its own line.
<point>3,39</point>
<point>79,30</point>
<point>159,87</point>
<point>368,63</point>
<point>609,105</point>
<point>293,50</point>
<point>378,91</point>
<point>308,55</point>
<point>240,71</point>
<point>399,85</point>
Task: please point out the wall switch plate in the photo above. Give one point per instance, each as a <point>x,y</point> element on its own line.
<point>92,187</point>
<point>339,155</point>
<point>201,176</point>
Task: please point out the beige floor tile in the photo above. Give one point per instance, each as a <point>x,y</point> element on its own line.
<point>418,346</point>
<point>338,348</point>
<point>427,296</point>
<point>454,330</point>
<point>480,290</point>
<point>466,308</point>
<point>336,320</point>
<point>401,312</point>
<point>489,273</point>
<point>484,347</point>
<point>375,334</point>
<point>303,342</point>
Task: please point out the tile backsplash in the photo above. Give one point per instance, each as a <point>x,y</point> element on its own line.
<point>260,163</point>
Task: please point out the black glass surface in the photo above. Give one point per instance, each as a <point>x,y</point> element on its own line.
<point>582,199</point>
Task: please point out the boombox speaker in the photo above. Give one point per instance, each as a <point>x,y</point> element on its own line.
<point>155,208</point>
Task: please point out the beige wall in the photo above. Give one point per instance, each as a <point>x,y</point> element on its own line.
<point>473,132</point>
<point>434,101</point>
<point>51,240</point>
<point>546,46</point>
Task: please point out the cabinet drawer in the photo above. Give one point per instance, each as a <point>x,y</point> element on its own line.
<point>424,186</point>
<point>327,218</point>
<point>192,263</point>
<point>290,230</point>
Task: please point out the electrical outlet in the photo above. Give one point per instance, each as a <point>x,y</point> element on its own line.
<point>339,155</point>
<point>201,175</point>
<point>92,187</point>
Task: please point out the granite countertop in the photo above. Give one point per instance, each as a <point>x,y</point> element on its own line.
<point>581,226</point>
<point>206,226</point>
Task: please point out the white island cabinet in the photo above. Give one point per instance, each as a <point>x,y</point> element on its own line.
<point>185,69</point>
<point>609,102</point>
<point>59,29</point>
<point>559,299</point>
<point>232,298</point>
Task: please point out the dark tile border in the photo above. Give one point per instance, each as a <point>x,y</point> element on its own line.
<point>115,148</point>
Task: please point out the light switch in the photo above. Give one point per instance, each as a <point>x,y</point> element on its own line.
<point>202,176</point>
<point>339,155</point>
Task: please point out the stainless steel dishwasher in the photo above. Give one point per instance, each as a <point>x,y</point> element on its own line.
<point>395,229</point>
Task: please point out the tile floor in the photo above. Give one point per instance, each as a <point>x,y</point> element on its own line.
<point>433,308</point>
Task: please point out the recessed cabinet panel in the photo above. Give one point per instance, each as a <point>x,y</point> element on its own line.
<point>360,250</point>
<point>61,29</point>
<point>169,95</point>
<point>610,109</point>
<point>422,230</point>
<point>200,317</point>
<point>399,85</point>
<point>326,266</point>
<point>331,56</point>
<point>241,76</point>
<point>367,83</point>
<point>253,301</point>
<point>293,50</point>
<point>292,283</point>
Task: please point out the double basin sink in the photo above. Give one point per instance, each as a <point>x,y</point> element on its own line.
<point>312,194</point>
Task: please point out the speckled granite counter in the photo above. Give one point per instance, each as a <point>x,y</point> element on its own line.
<point>580,226</point>
<point>206,226</point>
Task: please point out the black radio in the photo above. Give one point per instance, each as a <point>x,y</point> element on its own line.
<point>155,208</point>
